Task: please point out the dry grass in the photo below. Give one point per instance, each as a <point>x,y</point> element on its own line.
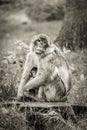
<point>10,119</point>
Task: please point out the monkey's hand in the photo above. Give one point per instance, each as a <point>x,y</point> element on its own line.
<point>19,94</point>
<point>36,82</point>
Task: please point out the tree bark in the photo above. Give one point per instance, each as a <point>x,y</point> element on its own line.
<point>73,34</point>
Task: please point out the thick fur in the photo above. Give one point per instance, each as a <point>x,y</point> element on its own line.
<point>53,77</point>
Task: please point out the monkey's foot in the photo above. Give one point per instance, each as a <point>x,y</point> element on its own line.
<point>20,99</point>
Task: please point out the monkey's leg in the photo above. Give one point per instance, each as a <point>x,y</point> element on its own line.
<point>41,95</point>
<point>35,83</point>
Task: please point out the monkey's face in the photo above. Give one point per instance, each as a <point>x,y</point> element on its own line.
<point>33,72</point>
<point>40,45</point>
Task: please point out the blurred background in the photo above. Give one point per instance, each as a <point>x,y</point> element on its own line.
<point>21,19</point>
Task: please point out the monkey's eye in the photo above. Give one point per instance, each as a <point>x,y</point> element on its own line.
<point>38,40</point>
<point>45,44</point>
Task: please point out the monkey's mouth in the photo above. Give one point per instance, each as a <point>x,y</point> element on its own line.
<point>39,51</point>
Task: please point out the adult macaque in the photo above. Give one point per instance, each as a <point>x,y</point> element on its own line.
<point>53,76</point>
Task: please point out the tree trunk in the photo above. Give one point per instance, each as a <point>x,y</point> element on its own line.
<point>73,34</point>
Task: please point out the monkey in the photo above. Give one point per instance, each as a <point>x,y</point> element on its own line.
<point>31,76</point>
<point>53,77</point>
<point>33,73</point>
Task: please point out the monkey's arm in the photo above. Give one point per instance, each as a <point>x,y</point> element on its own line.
<point>63,70</point>
<point>36,82</point>
<point>29,63</point>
